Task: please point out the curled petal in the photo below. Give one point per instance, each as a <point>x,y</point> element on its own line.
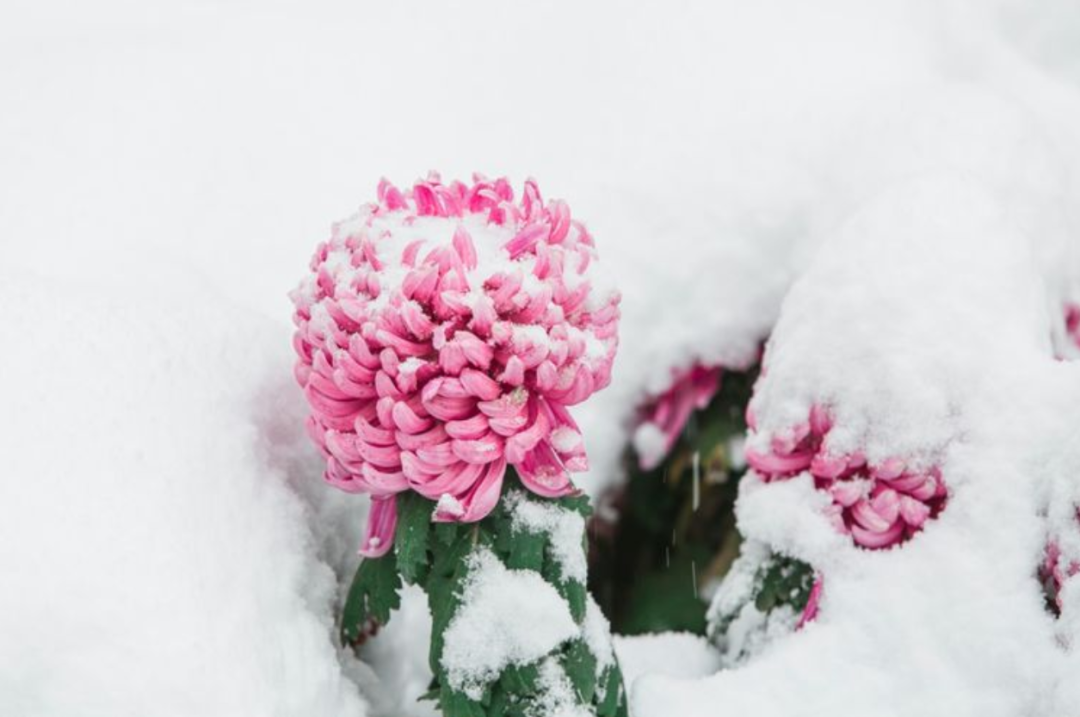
<point>873,540</point>
<point>864,514</point>
<point>913,512</point>
<point>469,428</point>
<point>479,500</point>
<point>382,522</point>
<point>406,419</point>
<point>453,481</point>
<point>481,450</point>
<point>770,464</point>
<point>542,473</point>
<point>480,385</point>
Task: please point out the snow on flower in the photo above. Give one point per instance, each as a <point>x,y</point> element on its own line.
<point>880,505</point>
<point>442,334</point>
<point>665,417</point>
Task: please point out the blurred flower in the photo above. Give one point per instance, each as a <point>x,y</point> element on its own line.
<point>442,334</point>
<point>664,418</point>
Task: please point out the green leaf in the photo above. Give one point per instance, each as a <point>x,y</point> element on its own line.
<point>500,700</point>
<point>614,702</point>
<point>456,704</point>
<point>579,503</point>
<point>520,680</point>
<point>575,595</point>
<point>412,538</point>
<point>526,551</point>
<point>444,585</point>
<point>373,594</point>
<point>432,695</point>
<point>446,533</point>
<point>580,666</point>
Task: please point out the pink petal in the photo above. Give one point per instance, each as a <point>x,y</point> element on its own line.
<point>771,465</point>
<point>379,534</point>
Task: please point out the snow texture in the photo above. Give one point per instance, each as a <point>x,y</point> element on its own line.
<point>154,556</point>
<point>559,698</point>
<point>675,654</point>
<point>507,617</point>
<point>167,170</point>
<point>565,530</point>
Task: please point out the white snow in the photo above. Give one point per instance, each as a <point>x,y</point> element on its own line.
<point>155,559</point>
<point>507,617</point>
<point>597,633</point>
<point>565,530</point>
<point>671,653</point>
<point>559,695</point>
<point>449,505</point>
<point>166,171</point>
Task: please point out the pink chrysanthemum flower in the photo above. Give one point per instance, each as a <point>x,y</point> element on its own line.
<point>664,418</point>
<point>442,334</point>
<point>879,505</point>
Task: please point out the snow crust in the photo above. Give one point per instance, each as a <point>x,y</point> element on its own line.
<point>167,170</point>
<point>155,559</point>
<point>507,617</point>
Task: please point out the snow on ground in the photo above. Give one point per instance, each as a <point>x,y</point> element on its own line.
<point>154,559</point>
<point>165,172</point>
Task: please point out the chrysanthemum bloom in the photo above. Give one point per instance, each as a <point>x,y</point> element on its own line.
<point>879,505</point>
<point>442,334</point>
<point>664,418</point>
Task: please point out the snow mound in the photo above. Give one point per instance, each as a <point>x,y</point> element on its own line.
<point>162,564</point>
<point>671,653</point>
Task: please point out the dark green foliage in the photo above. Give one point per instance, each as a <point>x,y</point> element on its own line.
<point>411,541</point>
<point>435,557</point>
<point>779,581</point>
<point>783,581</point>
<point>647,569</point>
<point>580,666</point>
<point>373,594</point>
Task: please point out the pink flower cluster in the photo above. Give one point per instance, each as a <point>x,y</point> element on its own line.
<point>664,418</point>
<point>442,334</point>
<point>879,505</point>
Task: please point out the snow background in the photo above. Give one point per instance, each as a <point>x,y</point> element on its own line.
<point>166,171</point>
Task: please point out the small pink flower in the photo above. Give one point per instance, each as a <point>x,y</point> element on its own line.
<point>663,420</point>
<point>1059,567</point>
<point>879,505</point>
<point>1072,322</point>
<point>442,334</point>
